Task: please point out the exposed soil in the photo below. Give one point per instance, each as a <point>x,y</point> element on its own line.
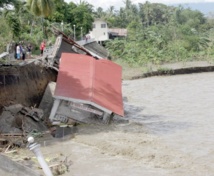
<point>24,84</point>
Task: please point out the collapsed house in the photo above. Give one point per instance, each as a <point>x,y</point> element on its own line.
<point>87,90</point>
<point>68,84</point>
<point>24,82</point>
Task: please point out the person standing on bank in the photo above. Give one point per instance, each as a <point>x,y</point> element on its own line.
<point>15,53</point>
<point>23,52</point>
<point>42,47</point>
<point>18,51</point>
<point>29,50</point>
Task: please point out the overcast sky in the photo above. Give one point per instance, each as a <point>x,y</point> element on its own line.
<point>105,4</point>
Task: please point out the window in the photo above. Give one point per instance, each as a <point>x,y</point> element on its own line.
<point>94,25</point>
<point>103,25</point>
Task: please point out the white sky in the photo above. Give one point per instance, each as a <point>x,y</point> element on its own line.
<point>105,4</point>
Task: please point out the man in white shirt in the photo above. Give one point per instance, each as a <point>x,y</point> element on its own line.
<point>18,51</point>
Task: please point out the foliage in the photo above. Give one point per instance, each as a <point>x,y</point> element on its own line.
<point>28,20</point>
<point>82,18</point>
<point>5,34</point>
<point>42,8</point>
<point>14,25</point>
<point>157,33</point>
<point>4,3</point>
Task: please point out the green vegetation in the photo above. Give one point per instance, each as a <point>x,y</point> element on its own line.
<point>31,21</point>
<point>157,33</point>
<point>160,34</point>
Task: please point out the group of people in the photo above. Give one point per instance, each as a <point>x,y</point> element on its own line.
<point>21,51</point>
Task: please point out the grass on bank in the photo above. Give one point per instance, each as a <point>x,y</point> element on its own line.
<point>130,71</point>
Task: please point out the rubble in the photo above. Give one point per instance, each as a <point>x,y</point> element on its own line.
<point>27,94</point>
<point>17,121</point>
<point>35,114</point>
<point>27,97</point>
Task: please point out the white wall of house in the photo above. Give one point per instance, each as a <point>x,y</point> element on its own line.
<point>99,31</point>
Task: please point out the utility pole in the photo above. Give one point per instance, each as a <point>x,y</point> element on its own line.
<point>81,34</point>
<point>74,32</point>
<point>62,25</point>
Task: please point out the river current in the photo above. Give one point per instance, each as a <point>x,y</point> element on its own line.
<point>179,110</point>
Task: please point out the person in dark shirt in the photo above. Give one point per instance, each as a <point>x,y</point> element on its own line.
<point>29,50</point>
<point>15,53</point>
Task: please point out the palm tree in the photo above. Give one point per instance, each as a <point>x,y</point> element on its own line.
<point>110,11</point>
<point>15,17</point>
<point>100,13</point>
<point>42,8</point>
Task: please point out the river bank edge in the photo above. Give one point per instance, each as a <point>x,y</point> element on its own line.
<point>136,72</point>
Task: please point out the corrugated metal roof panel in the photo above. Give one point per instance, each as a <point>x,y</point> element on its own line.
<point>86,80</point>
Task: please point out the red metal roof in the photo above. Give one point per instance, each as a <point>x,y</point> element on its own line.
<point>87,80</point>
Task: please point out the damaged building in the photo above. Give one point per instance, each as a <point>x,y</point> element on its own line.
<point>86,85</point>
<point>87,88</point>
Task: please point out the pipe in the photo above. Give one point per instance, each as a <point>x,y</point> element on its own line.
<point>35,148</point>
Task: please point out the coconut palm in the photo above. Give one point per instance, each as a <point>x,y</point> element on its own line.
<point>16,17</point>
<point>42,8</point>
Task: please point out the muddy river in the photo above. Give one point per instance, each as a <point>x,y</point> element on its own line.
<point>169,133</point>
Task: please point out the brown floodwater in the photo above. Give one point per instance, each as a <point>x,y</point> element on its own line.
<point>169,133</point>
<point>179,111</point>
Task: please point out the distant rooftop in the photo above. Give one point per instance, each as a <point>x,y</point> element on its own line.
<point>119,31</point>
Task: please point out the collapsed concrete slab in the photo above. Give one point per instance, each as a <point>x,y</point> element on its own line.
<point>97,49</point>
<point>64,44</point>
<point>47,99</point>
<point>87,89</point>
<point>11,168</point>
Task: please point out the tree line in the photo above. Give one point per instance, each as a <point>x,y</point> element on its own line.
<point>157,33</point>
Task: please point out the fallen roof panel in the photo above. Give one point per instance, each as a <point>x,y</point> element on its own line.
<point>87,80</point>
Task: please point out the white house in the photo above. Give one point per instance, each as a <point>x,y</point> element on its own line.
<point>99,31</point>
